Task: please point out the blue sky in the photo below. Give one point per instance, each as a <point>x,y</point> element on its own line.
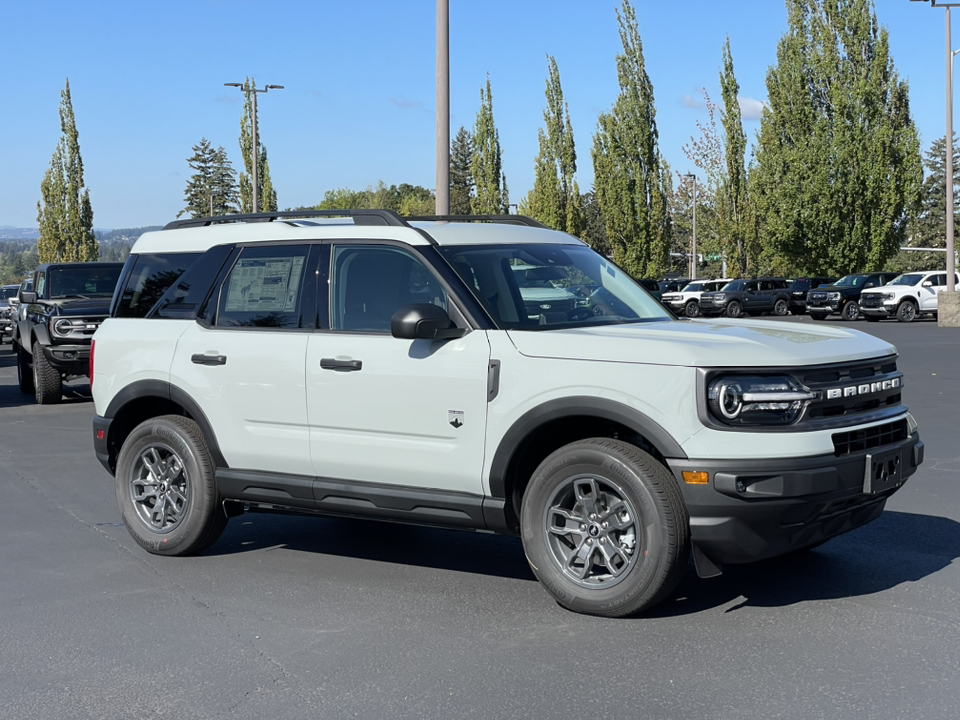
<point>359,100</point>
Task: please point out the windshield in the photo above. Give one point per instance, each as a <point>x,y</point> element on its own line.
<point>8,292</point>
<point>545,287</point>
<point>82,281</point>
<point>905,280</point>
<point>851,281</point>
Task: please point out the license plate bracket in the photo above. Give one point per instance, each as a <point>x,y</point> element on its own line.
<point>883,470</point>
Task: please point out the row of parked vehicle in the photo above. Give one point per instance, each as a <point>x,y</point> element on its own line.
<point>874,296</point>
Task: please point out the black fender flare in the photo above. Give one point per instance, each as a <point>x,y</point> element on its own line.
<point>168,391</point>
<point>603,408</point>
<point>33,332</point>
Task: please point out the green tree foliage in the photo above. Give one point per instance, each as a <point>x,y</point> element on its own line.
<point>628,171</point>
<point>490,183</point>
<point>65,215</point>
<point>461,176</point>
<point>403,199</point>
<point>838,162</point>
<point>18,258</point>
<point>266,195</point>
<point>212,189</point>
<point>555,198</point>
<point>594,227</point>
<point>929,227</point>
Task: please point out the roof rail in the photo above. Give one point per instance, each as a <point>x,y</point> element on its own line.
<point>510,219</point>
<point>360,217</point>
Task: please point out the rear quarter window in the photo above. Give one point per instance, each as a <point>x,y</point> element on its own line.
<point>148,279</point>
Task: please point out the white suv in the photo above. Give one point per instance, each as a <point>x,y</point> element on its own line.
<point>687,301</point>
<point>906,297</point>
<point>357,363</point>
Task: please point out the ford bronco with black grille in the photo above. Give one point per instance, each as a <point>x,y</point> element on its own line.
<point>452,372</point>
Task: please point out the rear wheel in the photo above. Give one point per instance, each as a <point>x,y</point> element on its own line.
<point>781,307</point>
<point>605,528</point>
<point>47,381</point>
<point>907,311</point>
<point>166,488</point>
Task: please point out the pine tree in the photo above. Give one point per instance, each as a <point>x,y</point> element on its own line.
<point>212,189</point>
<point>65,215</point>
<point>266,195</point>
<point>838,160</point>
<point>628,173</point>
<point>555,198</point>
<point>486,167</point>
<point>461,177</point>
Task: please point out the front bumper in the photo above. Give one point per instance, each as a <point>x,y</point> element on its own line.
<point>757,509</point>
<point>69,359</point>
<point>823,307</point>
<point>880,311</point>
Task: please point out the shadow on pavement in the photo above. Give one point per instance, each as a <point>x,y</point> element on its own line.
<point>896,548</point>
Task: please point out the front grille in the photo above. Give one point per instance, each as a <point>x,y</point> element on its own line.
<point>871,301</point>
<point>865,388</point>
<point>854,441</point>
<point>816,296</point>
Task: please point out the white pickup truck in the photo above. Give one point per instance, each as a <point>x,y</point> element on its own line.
<point>906,297</point>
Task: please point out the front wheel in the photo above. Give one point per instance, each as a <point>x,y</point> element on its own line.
<point>734,309</point>
<point>166,488</point>
<point>850,311</point>
<point>692,309</point>
<point>906,312</point>
<point>605,528</point>
<point>47,380</point>
<point>781,307</point>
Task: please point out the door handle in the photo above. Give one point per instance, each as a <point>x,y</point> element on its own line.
<point>201,359</point>
<point>342,365</point>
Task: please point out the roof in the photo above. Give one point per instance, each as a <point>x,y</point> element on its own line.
<point>201,234</point>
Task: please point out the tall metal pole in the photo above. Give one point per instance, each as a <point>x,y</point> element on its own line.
<point>951,259</point>
<point>256,152</point>
<point>443,107</point>
<point>693,260</point>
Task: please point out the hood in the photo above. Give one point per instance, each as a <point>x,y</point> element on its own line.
<point>79,307</point>
<point>704,343</point>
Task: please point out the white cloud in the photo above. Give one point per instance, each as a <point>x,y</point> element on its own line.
<point>402,102</point>
<point>750,109</point>
<point>694,103</point>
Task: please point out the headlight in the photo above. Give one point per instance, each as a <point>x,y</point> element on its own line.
<point>740,400</point>
<point>889,296</point>
<point>833,296</point>
<point>718,296</point>
<point>62,326</point>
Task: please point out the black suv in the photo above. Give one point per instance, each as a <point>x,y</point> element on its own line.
<point>748,295</point>
<point>799,289</point>
<point>844,295</point>
<point>67,304</point>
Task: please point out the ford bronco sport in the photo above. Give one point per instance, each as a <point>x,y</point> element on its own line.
<point>361,364</point>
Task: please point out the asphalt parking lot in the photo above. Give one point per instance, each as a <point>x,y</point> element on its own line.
<point>296,617</point>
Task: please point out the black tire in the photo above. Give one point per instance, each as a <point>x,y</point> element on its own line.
<point>781,307</point>
<point>692,309</point>
<point>907,311</point>
<point>24,371</point>
<point>47,381</point>
<point>572,500</point>
<point>166,459</point>
<point>734,309</point>
<point>850,311</point>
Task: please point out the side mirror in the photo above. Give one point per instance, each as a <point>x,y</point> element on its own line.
<point>423,321</point>
<point>27,296</point>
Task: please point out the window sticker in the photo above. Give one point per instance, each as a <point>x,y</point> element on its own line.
<point>264,284</point>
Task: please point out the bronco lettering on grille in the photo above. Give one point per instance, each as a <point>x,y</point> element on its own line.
<point>864,389</point>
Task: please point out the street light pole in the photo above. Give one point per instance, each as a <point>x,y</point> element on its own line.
<point>443,107</point>
<point>251,89</point>
<point>693,256</point>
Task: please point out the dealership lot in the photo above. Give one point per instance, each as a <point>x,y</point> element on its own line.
<point>290,617</point>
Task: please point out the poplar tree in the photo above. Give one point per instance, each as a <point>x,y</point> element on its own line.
<point>65,215</point>
<point>461,177</point>
<point>491,197</point>
<point>266,195</point>
<point>555,198</point>
<point>737,240</point>
<point>838,160</point>
<point>628,170</point>
<point>212,189</point>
